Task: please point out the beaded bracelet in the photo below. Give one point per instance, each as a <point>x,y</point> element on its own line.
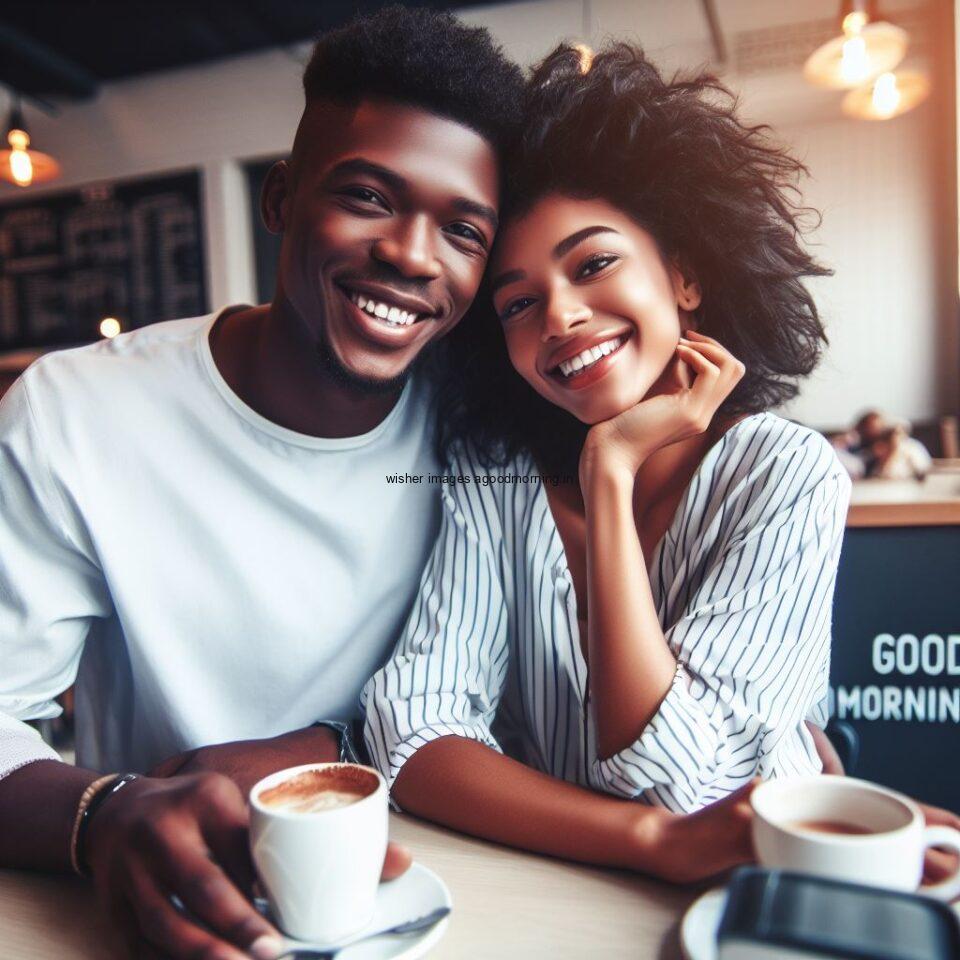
<point>93,797</point>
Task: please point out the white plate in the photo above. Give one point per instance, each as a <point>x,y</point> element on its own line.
<point>698,931</point>
<point>415,894</point>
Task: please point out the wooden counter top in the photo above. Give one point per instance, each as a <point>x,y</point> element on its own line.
<point>934,501</point>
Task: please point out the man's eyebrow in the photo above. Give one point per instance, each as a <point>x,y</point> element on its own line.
<point>510,276</point>
<point>359,165</point>
<point>478,210</point>
<point>565,246</point>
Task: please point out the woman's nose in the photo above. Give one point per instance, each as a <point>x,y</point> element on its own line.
<point>563,314</point>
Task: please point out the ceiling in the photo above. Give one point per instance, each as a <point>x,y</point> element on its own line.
<point>64,49</point>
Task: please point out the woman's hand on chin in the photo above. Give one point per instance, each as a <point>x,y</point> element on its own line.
<point>681,404</point>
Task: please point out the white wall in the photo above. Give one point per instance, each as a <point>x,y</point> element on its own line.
<point>888,229</point>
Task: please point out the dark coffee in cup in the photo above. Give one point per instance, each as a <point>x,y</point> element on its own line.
<point>831,826</point>
<point>315,791</point>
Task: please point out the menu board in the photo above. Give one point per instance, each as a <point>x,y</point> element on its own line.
<point>895,673</point>
<point>130,249</point>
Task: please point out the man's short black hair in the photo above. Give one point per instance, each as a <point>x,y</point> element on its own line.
<point>423,58</point>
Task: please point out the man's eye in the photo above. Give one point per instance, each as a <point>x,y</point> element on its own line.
<point>515,307</point>
<point>366,195</point>
<point>595,265</point>
<point>467,232</point>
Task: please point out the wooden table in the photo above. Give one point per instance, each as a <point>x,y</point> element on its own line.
<point>506,905</point>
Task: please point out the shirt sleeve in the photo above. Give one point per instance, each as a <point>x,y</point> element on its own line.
<point>447,673</point>
<point>753,644</point>
<point>50,588</point>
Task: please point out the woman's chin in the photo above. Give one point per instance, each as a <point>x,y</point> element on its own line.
<point>599,409</point>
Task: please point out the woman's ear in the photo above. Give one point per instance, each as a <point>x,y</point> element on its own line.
<point>685,288</point>
<point>273,195</point>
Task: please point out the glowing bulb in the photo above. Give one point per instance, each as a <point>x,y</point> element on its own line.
<point>109,327</point>
<point>886,96</point>
<point>854,65</point>
<point>854,22</point>
<point>21,166</point>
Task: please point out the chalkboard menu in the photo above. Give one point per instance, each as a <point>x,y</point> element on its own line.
<point>130,249</point>
<point>895,676</point>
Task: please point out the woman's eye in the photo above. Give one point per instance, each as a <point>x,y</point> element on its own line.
<point>515,307</point>
<point>595,265</point>
<point>467,232</point>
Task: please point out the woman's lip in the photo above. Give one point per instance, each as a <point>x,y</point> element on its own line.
<point>378,331</point>
<point>592,374</point>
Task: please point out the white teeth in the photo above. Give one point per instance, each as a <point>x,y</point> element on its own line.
<point>587,358</point>
<point>383,311</point>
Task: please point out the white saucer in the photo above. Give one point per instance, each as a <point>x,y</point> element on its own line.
<point>418,892</point>
<point>698,931</point>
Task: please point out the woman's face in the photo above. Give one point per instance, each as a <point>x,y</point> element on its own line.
<point>590,311</point>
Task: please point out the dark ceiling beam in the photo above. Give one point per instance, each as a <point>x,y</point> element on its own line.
<point>71,79</point>
<point>716,31</point>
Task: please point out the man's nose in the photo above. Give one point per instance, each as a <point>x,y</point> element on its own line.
<point>563,314</point>
<point>409,248</point>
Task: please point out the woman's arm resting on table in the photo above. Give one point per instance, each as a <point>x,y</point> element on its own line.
<point>468,786</point>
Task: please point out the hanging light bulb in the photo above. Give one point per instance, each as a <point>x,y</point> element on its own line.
<point>862,52</point>
<point>21,164</point>
<point>890,95</point>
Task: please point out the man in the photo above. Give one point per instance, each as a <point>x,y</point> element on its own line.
<point>195,519</point>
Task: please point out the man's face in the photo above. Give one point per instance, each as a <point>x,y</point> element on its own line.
<point>387,213</point>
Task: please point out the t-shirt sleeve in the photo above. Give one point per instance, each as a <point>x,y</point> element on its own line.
<point>753,642</point>
<point>447,673</point>
<point>50,586</point>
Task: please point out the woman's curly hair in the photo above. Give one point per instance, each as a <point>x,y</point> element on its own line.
<point>716,194</point>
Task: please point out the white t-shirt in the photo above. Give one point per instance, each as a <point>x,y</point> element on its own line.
<point>223,577</point>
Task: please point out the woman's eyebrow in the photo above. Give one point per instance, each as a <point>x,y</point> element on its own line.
<point>566,245</point>
<point>509,276</point>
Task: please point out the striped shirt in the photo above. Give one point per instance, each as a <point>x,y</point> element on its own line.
<point>743,581</point>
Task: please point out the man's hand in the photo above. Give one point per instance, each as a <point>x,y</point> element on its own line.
<point>185,837</point>
<point>246,762</point>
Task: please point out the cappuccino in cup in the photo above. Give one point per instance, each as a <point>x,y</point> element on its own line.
<point>847,829</point>
<point>320,789</point>
<point>318,836</point>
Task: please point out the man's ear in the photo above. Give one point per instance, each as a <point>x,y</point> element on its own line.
<point>273,195</point>
<point>685,287</point>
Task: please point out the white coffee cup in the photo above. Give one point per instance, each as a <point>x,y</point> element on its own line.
<point>320,870</point>
<point>889,854</point>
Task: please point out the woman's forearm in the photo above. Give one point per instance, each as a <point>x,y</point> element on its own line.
<point>468,786</point>
<point>631,665</point>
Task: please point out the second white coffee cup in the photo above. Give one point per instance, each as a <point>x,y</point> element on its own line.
<point>320,869</point>
<point>889,851</point>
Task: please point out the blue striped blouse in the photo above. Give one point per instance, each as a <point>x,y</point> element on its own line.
<point>743,581</point>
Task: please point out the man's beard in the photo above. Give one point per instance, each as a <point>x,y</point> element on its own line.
<point>365,386</point>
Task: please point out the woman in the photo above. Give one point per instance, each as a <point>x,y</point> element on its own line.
<point>658,629</point>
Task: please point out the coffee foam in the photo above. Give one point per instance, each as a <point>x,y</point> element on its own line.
<point>314,791</point>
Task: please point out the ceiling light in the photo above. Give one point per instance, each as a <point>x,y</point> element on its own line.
<point>861,53</point>
<point>890,95</point>
<point>21,164</point>
<point>110,327</point>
